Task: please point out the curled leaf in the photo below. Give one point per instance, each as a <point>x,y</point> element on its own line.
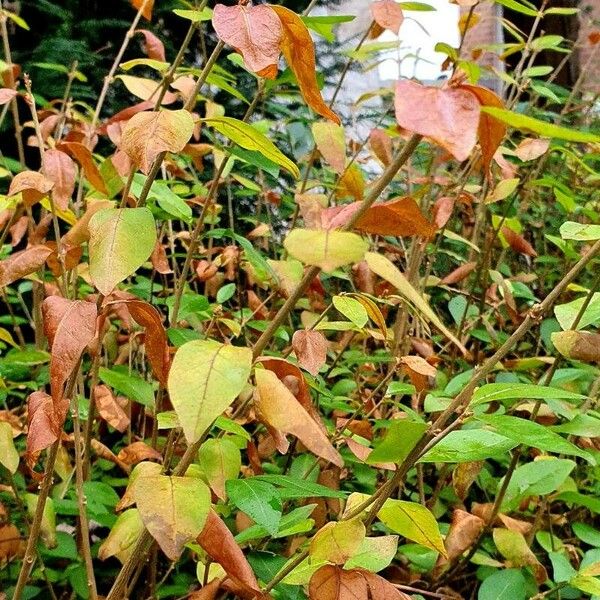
<point>388,15</point>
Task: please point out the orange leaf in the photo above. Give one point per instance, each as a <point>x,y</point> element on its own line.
<point>490,132</point>
<point>84,157</point>
<point>517,242</point>
<point>532,148</point>
<point>147,5</point>
<point>388,14</point>
<point>32,185</point>
<point>459,273</point>
<point>43,426</point>
<point>254,31</point>
<point>449,117</point>
<point>23,263</point>
<point>109,409</point>
<point>381,145</point>
<point>299,52</point>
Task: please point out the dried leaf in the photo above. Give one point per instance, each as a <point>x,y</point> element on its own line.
<point>299,52</point>
<point>459,274</point>
<point>43,426</point>
<point>84,157</point>
<point>137,452</point>
<point>69,325</point>
<point>463,477</point>
<point>148,134</point>
<point>154,48</point>
<point>517,242</point>
<point>578,345</point>
<point>21,264</point>
<point>351,183</point>
<point>381,145</point>
<point>310,348</point>
<point>255,31</point>
<point>388,15</point>
<point>442,211</point>
<point>532,148</point>
<point>109,409</point>
<point>464,531</point>
<point>59,168</point>
<point>450,117</point>
<point>277,407</point>
<point>32,185</point>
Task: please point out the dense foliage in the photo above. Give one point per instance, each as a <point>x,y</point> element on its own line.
<point>248,352</point>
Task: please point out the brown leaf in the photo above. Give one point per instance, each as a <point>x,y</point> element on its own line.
<point>155,342</point>
<point>532,148</point>
<point>299,52</point>
<point>578,345</point>
<point>218,542</point>
<point>331,582</point>
<point>137,452</point>
<point>381,145</point>
<point>399,217</point>
<point>279,409</point>
<point>463,477</point>
<point>84,157</point>
<point>109,409</point>
<point>147,134</point>
<point>159,259</point>
<point>388,14</point>
<point>18,231</point>
<point>517,242</point>
<point>79,233</point>
<point>146,5</point>
<point>254,31</point>
<point>10,543</point>
<point>490,131</point>
<point>464,531</point>
<point>153,47</point>
<point>21,264</point>
<point>69,325</point>
<point>442,210</point>
<point>43,426</point>
<point>459,274</point>
<point>449,117</point>
<point>59,168</point>
<point>32,185</point>
<point>310,348</point>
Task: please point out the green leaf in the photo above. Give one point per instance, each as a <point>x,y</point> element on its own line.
<point>168,200</point>
<point>173,509</point>
<point>131,386</point>
<point>469,445</point>
<point>518,7</point>
<point>579,231</point>
<point>587,584</point>
<point>196,16</point>
<point>374,553</point>
<point>323,25</point>
<point>225,293</point>
<point>401,437</point>
<point>327,249</point>
<point>496,392</point>
<point>121,240</point>
<point>9,457</point>
<point>525,123</point>
<point>545,42</point>
<point>586,533</point>
<point>205,378</point>
<point>293,523</point>
<point>250,138</point>
<point>417,6</point>
<point>292,487</point>
<point>537,478</point>
<point>414,522</point>
<point>352,309</point>
<point>336,542</point>
<point>383,267</point>
<point>123,536</point>
<point>508,584</point>
<point>48,523</point>
<point>259,500</point>
<point>590,502</point>
<point>567,313</point>
<point>533,434</point>
<point>220,461</point>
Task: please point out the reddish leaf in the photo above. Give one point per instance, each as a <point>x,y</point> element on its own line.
<point>69,325</point>
<point>32,185</point>
<point>459,273</point>
<point>137,452</point>
<point>159,260</point>
<point>450,116</point>
<point>59,168</point>
<point>6,95</point>
<point>517,242</point>
<point>532,148</point>
<point>153,47</point>
<point>43,425</point>
<point>299,52</point>
<point>146,6</point>
<point>155,342</point>
<point>254,31</point>
<point>18,231</point>
<point>23,263</point>
<point>109,409</point>
<point>388,15</point>
<point>442,211</point>
<point>126,114</point>
<point>310,348</point>
<point>464,531</point>
<point>84,157</point>
<point>490,132</point>
<point>381,145</point>
<point>219,543</point>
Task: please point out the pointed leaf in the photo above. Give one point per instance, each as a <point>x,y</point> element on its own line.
<point>388,15</point>
<point>331,143</point>
<point>9,457</point>
<point>310,348</point>
<point>23,263</point>
<point>59,168</point>
<point>220,461</point>
<point>123,536</point>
